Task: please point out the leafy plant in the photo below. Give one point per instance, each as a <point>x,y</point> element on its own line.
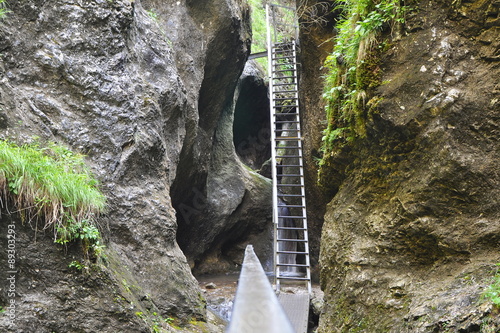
<point>54,185</point>
<point>76,264</point>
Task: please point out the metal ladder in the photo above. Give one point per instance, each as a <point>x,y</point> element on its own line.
<point>291,246</point>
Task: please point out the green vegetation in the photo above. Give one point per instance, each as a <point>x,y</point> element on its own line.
<point>54,185</point>
<point>153,15</point>
<point>492,292</point>
<point>76,264</point>
<point>3,9</point>
<point>156,322</point>
<point>259,29</point>
<point>353,66</point>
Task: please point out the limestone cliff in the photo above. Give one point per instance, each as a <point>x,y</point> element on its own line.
<point>412,234</point>
<point>144,89</point>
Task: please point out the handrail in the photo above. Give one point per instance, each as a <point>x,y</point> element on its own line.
<point>281,6</point>
<point>256,308</point>
<point>257,55</point>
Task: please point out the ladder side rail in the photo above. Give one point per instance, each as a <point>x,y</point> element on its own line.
<point>302,183</point>
<point>273,143</point>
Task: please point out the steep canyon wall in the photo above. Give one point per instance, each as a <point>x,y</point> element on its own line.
<point>145,90</point>
<point>411,236</point>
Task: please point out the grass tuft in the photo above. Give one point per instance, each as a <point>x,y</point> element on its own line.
<point>3,9</point>
<point>54,185</point>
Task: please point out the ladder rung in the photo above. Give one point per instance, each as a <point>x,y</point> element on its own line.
<point>288,156</point>
<point>291,195</point>
<point>292,240</point>
<point>289,185</point>
<point>283,77</point>
<point>284,70</point>
<point>285,57</point>
<point>293,278</point>
<point>293,206</point>
<point>292,265</point>
<point>285,91</point>
<point>287,130</point>
<point>291,252</point>
<point>288,147</point>
<point>291,228</point>
<point>284,95</point>
<point>286,121</point>
<point>284,84</point>
<point>288,175</point>
<point>291,165</point>
<point>283,43</point>
<point>293,217</point>
<point>275,65</point>
<point>287,138</point>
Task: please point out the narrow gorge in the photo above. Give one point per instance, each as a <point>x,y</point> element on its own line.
<point>173,121</point>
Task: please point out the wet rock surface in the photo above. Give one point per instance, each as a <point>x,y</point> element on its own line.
<point>412,235</point>
<point>316,43</point>
<point>140,87</point>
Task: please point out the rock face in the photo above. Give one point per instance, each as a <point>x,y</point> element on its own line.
<point>222,204</point>
<point>412,235</point>
<point>251,126</point>
<point>145,89</point>
<point>316,43</point>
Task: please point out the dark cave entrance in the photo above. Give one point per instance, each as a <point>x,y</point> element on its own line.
<point>251,126</point>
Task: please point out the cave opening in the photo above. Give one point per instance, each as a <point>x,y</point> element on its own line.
<point>251,126</point>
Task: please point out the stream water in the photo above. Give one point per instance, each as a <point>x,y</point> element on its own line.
<point>220,290</point>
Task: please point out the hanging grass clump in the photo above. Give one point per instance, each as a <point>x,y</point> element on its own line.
<point>52,185</point>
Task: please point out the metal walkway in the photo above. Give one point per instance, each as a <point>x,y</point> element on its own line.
<point>291,247</point>
<point>296,307</point>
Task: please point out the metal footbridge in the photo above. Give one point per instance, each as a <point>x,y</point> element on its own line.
<point>257,307</point>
